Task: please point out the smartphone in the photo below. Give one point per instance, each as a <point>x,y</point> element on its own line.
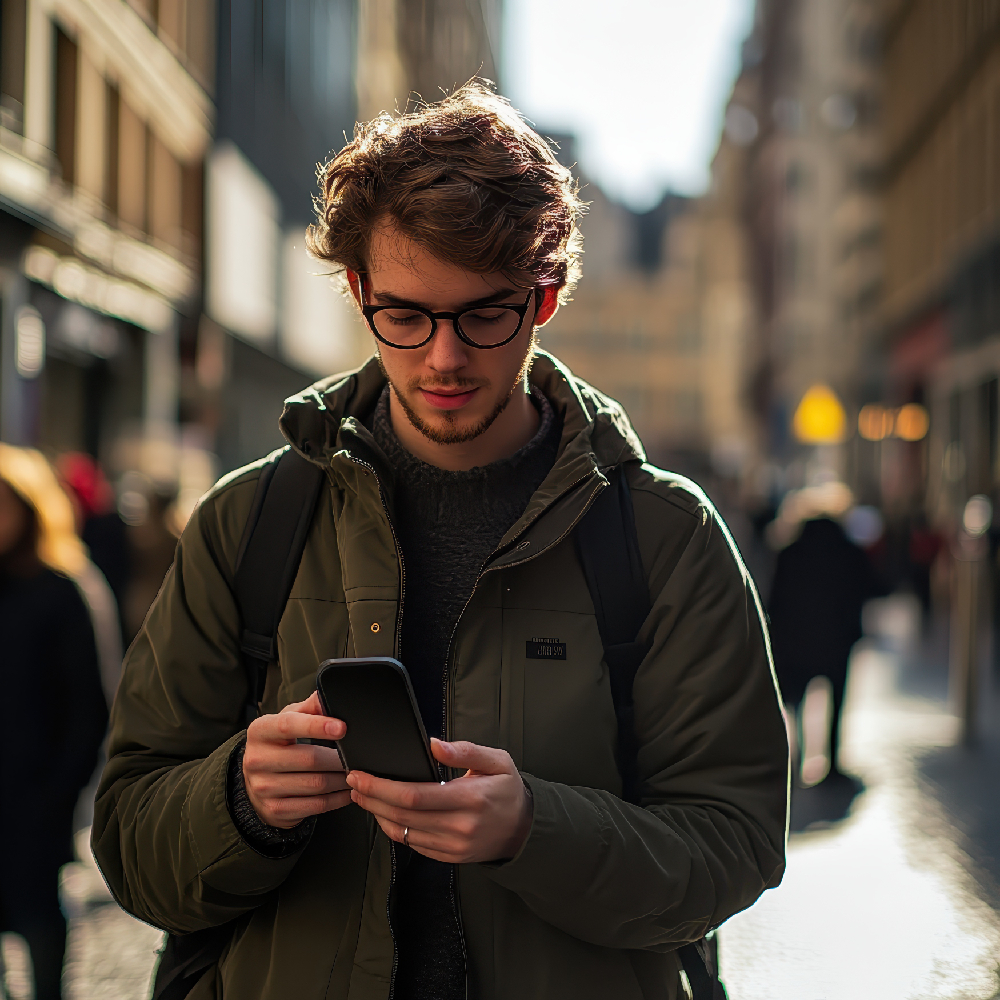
<point>385,734</point>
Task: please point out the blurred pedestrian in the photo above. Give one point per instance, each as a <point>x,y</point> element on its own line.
<point>821,581</point>
<point>99,524</point>
<point>53,711</point>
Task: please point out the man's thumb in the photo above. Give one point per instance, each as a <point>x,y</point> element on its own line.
<point>485,760</point>
<point>311,706</point>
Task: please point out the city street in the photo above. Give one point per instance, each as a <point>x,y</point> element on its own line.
<point>897,900</point>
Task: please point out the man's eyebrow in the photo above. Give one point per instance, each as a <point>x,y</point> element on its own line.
<point>388,299</point>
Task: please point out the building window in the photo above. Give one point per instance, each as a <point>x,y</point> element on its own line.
<point>112,108</point>
<point>65,105</point>
<point>12,45</point>
<point>131,169</point>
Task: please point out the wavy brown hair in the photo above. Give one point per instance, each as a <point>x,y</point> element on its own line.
<point>467,179</point>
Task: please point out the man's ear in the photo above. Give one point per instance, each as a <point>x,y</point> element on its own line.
<point>547,306</point>
<point>354,281</point>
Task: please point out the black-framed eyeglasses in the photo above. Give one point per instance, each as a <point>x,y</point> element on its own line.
<point>410,327</point>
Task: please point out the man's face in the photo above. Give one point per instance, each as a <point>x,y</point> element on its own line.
<point>450,392</point>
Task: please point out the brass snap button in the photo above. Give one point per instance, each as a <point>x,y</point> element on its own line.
<point>375,626</point>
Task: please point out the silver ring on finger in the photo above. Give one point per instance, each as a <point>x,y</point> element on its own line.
<point>406,836</point>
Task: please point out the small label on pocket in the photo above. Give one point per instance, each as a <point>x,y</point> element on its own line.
<point>545,649</point>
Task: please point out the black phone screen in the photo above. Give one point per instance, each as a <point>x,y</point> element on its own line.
<point>385,735</point>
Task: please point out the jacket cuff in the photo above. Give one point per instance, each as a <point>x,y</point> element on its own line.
<point>270,841</point>
<point>510,872</point>
<point>225,861</point>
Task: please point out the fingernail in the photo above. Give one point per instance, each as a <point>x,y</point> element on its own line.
<point>354,796</point>
<point>350,779</point>
<point>332,729</point>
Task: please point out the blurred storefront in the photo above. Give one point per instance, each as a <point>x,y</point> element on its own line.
<point>157,169</point>
<point>941,305</point>
<point>105,122</point>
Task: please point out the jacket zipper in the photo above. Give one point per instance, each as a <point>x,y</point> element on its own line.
<point>446,702</point>
<point>388,917</point>
<point>399,642</point>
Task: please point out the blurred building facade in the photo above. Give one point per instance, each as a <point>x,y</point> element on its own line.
<point>284,93</point>
<point>661,318</point>
<point>157,168</point>
<point>106,120</point>
<point>941,304</point>
<point>806,110</point>
<point>423,49</point>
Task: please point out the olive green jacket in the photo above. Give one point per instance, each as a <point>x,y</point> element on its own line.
<point>602,892</point>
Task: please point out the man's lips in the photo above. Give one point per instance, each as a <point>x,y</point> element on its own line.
<point>448,399</point>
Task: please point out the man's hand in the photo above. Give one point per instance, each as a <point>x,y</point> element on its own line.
<point>286,781</point>
<point>483,816</point>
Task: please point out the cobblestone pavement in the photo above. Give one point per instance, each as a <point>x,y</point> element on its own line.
<point>885,902</point>
<point>110,955</point>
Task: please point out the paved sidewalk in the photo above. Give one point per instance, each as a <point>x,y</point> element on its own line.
<point>110,955</point>
<point>893,901</point>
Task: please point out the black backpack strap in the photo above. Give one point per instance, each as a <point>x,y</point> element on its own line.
<point>607,544</point>
<point>268,559</point>
<point>266,563</point>
<point>608,548</point>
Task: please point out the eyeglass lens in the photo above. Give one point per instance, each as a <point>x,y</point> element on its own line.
<point>486,326</point>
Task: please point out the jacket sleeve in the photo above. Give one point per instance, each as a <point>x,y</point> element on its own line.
<point>163,834</point>
<point>709,834</point>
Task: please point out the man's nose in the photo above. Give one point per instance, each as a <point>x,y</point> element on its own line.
<point>446,351</point>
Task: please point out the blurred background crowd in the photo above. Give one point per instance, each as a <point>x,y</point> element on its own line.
<point>812,333</point>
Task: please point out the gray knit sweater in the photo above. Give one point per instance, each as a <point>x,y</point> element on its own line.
<point>448,524</point>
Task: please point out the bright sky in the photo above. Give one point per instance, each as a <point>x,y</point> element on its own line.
<point>642,84</point>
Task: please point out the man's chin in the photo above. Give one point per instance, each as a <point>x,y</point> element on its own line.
<point>449,426</point>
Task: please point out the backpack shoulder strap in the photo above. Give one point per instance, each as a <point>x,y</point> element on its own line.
<point>607,544</point>
<point>268,559</point>
<point>608,548</point>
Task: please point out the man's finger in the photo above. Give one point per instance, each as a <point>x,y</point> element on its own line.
<point>422,819</point>
<point>407,794</point>
<point>301,784</point>
<point>300,757</point>
<point>286,813</point>
<point>297,725</point>
<point>432,845</point>
<point>472,756</point>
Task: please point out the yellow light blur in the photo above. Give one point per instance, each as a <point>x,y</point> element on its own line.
<point>819,417</point>
<point>912,422</point>
<point>874,422</point>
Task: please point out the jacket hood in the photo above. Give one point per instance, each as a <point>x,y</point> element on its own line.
<point>595,427</point>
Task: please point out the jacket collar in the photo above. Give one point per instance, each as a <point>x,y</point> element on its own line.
<point>327,421</point>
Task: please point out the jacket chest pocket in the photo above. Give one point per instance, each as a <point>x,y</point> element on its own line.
<point>558,709</point>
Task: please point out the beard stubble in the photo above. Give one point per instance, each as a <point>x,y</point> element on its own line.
<point>451,432</point>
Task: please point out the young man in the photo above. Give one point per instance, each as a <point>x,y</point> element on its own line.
<point>458,462</point>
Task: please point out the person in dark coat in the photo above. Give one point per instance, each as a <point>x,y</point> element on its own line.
<point>53,712</point>
<point>821,581</point>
